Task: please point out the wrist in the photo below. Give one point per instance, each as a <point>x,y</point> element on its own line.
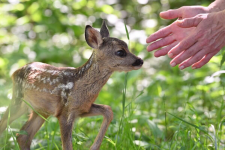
<point>221,15</point>
<point>216,6</point>
<point>212,9</point>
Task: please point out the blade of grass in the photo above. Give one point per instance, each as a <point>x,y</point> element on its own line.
<point>128,37</point>
<point>56,146</point>
<point>188,123</point>
<point>7,126</point>
<point>126,76</point>
<point>142,92</point>
<point>14,139</point>
<point>35,110</point>
<point>214,136</point>
<point>124,95</point>
<point>53,136</point>
<point>221,108</point>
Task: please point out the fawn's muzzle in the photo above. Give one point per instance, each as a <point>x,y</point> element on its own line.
<point>138,62</point>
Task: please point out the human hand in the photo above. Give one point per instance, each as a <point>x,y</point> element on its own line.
<point>171,35</point>
<point>202,43</point>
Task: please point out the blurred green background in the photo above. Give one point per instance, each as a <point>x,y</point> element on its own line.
<point>53,32</point>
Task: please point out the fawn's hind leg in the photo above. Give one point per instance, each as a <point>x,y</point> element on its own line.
<point>13,112</point>
<point>31,127</point>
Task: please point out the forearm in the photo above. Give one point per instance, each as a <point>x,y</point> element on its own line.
<point>216,6</point>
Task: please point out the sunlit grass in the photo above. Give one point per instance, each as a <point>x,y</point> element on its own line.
<point>147,120</point>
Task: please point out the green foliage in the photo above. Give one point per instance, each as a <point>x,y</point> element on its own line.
<point>156,107</point>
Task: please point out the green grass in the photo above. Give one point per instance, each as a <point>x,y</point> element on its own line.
<point>147,119</point>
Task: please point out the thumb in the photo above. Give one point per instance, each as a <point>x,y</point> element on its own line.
<point>189,22</point>
<point>171,14</point>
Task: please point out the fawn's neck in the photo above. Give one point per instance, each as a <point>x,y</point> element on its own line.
<point>93,74</point>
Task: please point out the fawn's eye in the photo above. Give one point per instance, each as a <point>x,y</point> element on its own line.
<point>121,53</point>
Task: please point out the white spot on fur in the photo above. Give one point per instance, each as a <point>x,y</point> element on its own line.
<point>63,94</point>
<point>38,77</point>
<point>69,85</point>
<point>45,90</point>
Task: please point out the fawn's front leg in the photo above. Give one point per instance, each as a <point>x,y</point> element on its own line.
<point>66,122</point>
<point>107,113</point>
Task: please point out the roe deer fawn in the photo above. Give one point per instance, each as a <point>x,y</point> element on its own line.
<point>68,93</point>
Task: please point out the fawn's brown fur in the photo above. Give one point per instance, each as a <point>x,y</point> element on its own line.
<point>68,93</point>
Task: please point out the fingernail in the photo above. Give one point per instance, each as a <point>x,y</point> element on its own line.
<point>173,64</point>
<point>181,67</point>
<point>170,55</point>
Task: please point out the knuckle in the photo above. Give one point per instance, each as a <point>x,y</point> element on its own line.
<point>200,33</point>
<point>170,11</point>
<point>178,60</point>
<point>185,44</point>
<point>197,58</point>
<point>195,21</point>
<point>207,41</point>
<point>201,44</point>
<point>188,21</point>
<point>182,58</point>
<point>187,64</point>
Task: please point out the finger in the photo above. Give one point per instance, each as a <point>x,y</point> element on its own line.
<point>204,60</point>
<point>171,14</point>
<point>195,58</point>
<point>213,50</point>
<point>165,50</point>
<point>217,46</point>
<point>183,45</point>
<point>162,42</point>
<point>189,22</point>
<point>159,34</point>
<point>187,53</point>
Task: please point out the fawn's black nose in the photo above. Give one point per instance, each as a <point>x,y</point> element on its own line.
<point>138,62</point>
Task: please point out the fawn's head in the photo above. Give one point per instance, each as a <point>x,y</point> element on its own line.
<point>111,52</point>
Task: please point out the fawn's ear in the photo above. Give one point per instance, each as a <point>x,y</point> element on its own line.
<point>104,30</point>
<point>93,37</point>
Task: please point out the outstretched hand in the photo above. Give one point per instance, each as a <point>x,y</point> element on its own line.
<point>202,43</point>
<point>171,35</point>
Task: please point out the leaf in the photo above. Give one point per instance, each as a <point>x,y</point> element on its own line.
<point>142,99</point>
<point>155,130</point>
